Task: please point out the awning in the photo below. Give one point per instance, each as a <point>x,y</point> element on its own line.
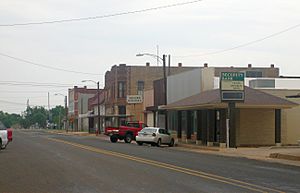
<point>211,99</point>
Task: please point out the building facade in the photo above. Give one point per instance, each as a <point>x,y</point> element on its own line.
<point>78,107</point>
<point>124,80</point>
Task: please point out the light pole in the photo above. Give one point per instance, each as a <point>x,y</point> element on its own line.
<point>66,111</point>
<point>98,102</point>
<point>163,59</point>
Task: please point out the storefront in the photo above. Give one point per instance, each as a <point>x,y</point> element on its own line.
<point>202,119</point>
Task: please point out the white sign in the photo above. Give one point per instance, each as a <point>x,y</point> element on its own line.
<point>134,99</point>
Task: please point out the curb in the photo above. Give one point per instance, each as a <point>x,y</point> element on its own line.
<point>197,147</point>
<point>284,156</point>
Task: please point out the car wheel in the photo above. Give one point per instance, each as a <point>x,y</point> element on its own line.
<point>139,143</point>
<point>158,143</point>
<point>128,138</point>
<point>113,139</point>
<point>171,144</point>
<point>3,147</point>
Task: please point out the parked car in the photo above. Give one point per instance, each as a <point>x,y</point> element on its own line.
<point>128,132</point>
<point>3,136</point>
<point>154,136</point>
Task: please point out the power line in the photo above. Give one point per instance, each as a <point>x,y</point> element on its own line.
<point>242,45</point>
<point>37,84</point>
<point>101,16</point>
<point>46,66</point>
<point>14,103</point>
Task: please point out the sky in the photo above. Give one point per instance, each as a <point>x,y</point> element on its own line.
<point>189,33</point>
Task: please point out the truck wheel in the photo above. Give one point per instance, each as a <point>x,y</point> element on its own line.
<point>128,138</point>
<point>139,143</point>
<point>113,139</point>
<point>171,144</point>
<point>158,143</point>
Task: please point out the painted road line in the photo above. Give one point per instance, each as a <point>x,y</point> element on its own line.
<point>201,174</point>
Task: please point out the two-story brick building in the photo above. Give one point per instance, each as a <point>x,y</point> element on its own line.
<point>78,107</point>
<point>124,80</point>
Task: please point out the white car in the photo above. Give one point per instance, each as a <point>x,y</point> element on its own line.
<point>154,136</point>
<point>3,136</point>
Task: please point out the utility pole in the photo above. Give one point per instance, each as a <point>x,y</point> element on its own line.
<point>48,108</point>
<point>169,65</point>
<point>66,114</point>
<point>165,90</point>
<point>98,105</point>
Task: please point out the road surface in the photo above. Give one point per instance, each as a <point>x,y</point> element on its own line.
<point>37,161</point>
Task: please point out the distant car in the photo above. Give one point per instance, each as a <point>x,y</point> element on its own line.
<point>3,136</point>
<point>154,136</point>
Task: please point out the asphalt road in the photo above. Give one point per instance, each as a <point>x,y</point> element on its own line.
<point>37,161</point>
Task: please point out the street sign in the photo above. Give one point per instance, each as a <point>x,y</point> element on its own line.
<point>232,86</point>
<point>134,99</point>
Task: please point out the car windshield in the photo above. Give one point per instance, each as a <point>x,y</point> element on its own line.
<point>148,130</point>
<point>2,126</point>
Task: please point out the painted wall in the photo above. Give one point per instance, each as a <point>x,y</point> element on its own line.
<point>150,119</point>
<point>183,85</point>
<point>189,83</point>
<point>255,127</point>
<point>290,117</point>
<point>148,98</point>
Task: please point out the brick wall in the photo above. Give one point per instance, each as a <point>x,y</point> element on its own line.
<point>255,127</point>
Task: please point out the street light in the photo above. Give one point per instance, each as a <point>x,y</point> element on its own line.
<point>66,111</point>
<point>163,59</point>
<point>98,102</point>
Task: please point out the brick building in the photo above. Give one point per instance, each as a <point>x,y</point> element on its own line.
<point>78,107</point>
<point>93,109</point>
<point>124,80</point>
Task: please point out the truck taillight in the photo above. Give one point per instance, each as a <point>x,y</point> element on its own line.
<point>153,134</point>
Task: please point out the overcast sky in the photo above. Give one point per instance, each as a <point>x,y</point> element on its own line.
<point>93,46</point>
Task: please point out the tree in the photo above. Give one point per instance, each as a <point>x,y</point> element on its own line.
<point>58,115</point>
<point>9,119</point>
<point>35,116</point>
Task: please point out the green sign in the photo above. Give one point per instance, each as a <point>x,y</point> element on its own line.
<point>234,76</point>
<point>232,86</point>
<point>232,81</point>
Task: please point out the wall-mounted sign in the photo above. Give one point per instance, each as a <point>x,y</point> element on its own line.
<point>134,99</point>
<point>232,86</point>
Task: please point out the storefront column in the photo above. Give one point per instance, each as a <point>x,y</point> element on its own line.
<point>204,127</point>
<point>232,125</point>
<point>223,128</point>
<point>211,127</point>
<point>179,125</point>
<point>278,127</point>
<point>189,126</point>
<point>199,127</point>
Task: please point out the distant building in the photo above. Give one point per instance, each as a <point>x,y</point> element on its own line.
<point>78,107</point>
<point>93,109</point>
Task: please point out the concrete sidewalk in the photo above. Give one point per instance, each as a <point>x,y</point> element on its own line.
<point>285,155</point>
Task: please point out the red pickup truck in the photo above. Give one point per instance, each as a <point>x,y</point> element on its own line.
<point>128,132</point>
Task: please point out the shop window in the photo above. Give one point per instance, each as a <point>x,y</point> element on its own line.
<point>121,89</point>
<point>140,87</point>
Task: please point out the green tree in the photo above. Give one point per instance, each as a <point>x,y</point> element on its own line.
<point>35,116</point>
<point>9,119</point>
<point>58,115</point>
